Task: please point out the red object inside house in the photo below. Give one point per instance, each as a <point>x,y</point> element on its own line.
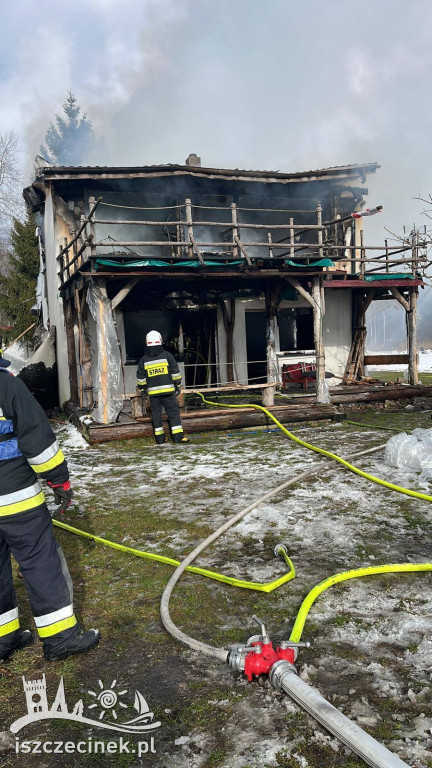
<point>298,373</point>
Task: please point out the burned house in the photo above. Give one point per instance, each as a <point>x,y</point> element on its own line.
<point>254,278</point>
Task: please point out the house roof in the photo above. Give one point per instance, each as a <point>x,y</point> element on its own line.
<point>355,171</point>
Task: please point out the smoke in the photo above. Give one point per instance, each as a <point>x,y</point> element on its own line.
<point>283,86</point>
<point>104,51</point>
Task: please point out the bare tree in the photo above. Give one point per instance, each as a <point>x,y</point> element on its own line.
<point>11,203</point>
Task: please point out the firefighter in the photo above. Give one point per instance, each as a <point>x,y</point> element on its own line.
<point>158,376</point>
<point>29,451</point>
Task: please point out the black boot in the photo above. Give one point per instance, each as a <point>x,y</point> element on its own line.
<point>80,643</point>
<point>180,438</point>
<point>23,638</point>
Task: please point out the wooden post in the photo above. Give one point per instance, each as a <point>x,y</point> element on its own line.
<point>65,240</point>
<point>91,236</point>
<point>362,307</point>
<point>272,295</point>
<point>316,302</point>
<point>72,362</point>
<point>188,211</point>
<point>320,232</point>
<point>60,260</point>
<point>234,230</point>
<point>410,308</point>
<point>362,253</point>
<point>179,230</point>
<point>412,317</point>
<point>244,252</point>
<point>291,238</point>
<point>269,238</point>
<point>321,391</point>
<point>412,337</point>
<point>86,251</point>
<point>137,406</point>
<point>229,330</point>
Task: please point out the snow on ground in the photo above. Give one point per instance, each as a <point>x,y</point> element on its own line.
<point>18,355</point>
<point>371,636</point>
<point>425,362</point>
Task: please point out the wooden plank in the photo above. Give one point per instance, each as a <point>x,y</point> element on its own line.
<point>386,359</point>
<point>332,283</point>
<point>20,336</point>
<point>204,422</point>
<point>123,292</point>
<point>401,392</point>
<point>401,299</point>
<point>226,224</point>
<point>243,250</point>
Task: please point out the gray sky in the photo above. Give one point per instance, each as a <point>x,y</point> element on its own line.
<point>262,84</point>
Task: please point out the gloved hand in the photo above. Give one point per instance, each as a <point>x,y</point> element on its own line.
<point>143,391</point>
<point>62,495</point>
<point>177,391</point>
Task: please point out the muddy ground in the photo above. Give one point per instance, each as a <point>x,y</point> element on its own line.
<point>371,638</point>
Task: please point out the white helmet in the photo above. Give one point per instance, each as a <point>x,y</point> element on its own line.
<point>153,338</point>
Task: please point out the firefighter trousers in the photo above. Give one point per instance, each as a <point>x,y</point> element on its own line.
<point>170,404</point>
<point>29,537</point>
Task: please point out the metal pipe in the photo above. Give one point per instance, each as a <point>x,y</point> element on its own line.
<point>283,677</point>
<point>174,631</point>
<point>197,645</point>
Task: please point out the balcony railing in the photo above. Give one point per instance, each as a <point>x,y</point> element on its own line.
<point>285,241</point>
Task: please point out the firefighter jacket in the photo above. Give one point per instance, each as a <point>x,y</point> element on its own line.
<point>158,372</point>
<point>28,449</point>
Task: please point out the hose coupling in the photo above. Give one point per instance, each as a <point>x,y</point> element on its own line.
<point>279,671</point>
<point>237,655</point>
<point>279,548</point>
<point>289,644</point>
<point>236,661</point>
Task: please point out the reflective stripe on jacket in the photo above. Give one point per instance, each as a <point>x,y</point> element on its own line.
<point>31,451</point>
<point>158,372</point>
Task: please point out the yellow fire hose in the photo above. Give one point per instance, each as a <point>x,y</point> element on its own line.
<point>309,600</point>
<point>260,587</point>
<point>329,454</point>
<point>271,586</point>
<point>346,575</point>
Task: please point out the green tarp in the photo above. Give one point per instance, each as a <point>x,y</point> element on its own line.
<point>191,264</point>
<point>303,265</point>
<point>389,276</point>
<point>194,264</point>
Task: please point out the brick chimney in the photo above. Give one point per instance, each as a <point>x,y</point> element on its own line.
<point>194,160</point>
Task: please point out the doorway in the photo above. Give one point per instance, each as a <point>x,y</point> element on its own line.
<point>256,346</point>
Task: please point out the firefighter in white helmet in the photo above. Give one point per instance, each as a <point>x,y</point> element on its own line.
<point>159,377</point>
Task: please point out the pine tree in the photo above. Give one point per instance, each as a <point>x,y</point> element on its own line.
<point>70,141</point>
<point>18,286</point>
